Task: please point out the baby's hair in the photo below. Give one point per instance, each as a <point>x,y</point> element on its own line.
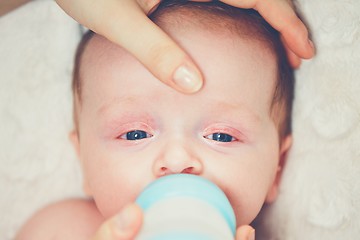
<point>220,18</point>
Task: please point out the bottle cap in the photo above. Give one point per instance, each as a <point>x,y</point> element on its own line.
<point>187,185</point>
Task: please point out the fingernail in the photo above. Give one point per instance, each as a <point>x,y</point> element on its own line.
<point>187,79</point>
<point>252,235</point>
<point>125,219</point>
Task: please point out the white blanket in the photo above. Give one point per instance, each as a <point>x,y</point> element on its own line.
<point>37,162</point>
<point>320,191</point>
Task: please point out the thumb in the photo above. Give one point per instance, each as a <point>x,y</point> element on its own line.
<point>123,226</point>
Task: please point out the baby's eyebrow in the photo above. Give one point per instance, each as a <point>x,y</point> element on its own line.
<point>239,111</point>
<point>238,108</point>
<point>118,102</point>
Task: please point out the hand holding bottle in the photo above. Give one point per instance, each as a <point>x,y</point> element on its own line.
<point>176,206</point>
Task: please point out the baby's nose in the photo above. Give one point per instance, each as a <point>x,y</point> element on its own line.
<point>176,158</point>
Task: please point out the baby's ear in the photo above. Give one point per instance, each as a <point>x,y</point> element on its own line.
<point>284,149</point>
<point>74,138</point>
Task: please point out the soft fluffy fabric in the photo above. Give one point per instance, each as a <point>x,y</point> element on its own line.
<point>320,192</point>
<point>37,162</point>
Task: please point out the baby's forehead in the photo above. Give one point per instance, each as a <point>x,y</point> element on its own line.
<point>180,24</point>
<point>205,47</point>
<point>211,20</point>
<point>218,61</point>
<point>214,17</point>
<point>99,47</point>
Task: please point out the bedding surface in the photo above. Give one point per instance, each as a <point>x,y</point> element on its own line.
<point>38,164</point>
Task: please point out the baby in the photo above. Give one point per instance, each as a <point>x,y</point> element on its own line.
<point>131,129</point>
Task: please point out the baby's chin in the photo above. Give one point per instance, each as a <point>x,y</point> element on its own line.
<point>246,215</point>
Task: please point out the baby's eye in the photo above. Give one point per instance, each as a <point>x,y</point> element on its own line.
<point>135,135</point>
<point>221,137</point>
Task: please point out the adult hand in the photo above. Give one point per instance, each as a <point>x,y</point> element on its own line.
<point>280,14</point>
<point>123,226</point>
<point>7,6</point>
<point>125,22</point>
<point>126,225</point>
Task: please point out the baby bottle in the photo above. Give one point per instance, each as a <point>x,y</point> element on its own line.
<point>185,207</point>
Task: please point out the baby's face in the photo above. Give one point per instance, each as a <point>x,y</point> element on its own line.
<point>134,129</point>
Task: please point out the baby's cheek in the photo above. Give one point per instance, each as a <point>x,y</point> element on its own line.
<point>247,209</point>
<point>113,194</point>
<point>110,202</point>
<point>247,196</point>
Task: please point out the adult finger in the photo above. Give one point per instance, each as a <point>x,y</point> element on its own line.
<point>123,226</point>
<point>293,31</point>
<point>126,24</point>
<point>280,15</point>
<point>245,232</point>
<point>293,59</point>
